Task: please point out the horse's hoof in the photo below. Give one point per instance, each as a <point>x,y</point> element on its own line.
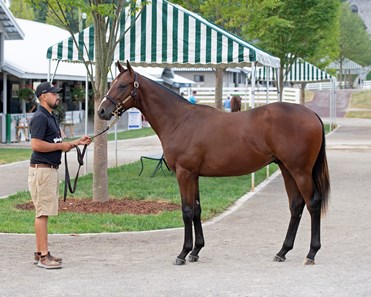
<point>278,259</point>
<point>179,261</point>
<point>192,258</point>
<point>308,261</point>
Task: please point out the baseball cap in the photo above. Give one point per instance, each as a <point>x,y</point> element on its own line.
<point>46,87</point>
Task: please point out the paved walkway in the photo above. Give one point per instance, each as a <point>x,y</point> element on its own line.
<point>237,258</point>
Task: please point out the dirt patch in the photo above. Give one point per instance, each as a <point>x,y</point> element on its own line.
<point>114,206</point>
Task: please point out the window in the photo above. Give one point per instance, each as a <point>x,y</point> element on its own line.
<point>198,78</point>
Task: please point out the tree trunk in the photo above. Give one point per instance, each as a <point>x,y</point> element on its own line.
<point>100,166</point>
<point>280,84</point>
<point>302,93</point>
<point>219,88</point>
<point>100,174</point>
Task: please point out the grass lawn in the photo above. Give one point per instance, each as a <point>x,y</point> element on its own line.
<point>124,183</point>
<point>360,105</point>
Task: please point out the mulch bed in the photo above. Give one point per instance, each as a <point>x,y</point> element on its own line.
<point>114,206</point>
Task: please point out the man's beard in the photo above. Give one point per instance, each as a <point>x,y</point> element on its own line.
<point>55,105</point>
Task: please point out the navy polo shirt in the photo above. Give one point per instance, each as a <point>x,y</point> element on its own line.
<point>44,126</point>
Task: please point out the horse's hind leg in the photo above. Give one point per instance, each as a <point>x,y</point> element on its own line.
<point>304,181</point>
<point>199,240</point>
<point>314,208</point>
<point>296,204</point>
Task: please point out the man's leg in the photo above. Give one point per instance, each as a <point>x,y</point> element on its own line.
<point>41,232</point>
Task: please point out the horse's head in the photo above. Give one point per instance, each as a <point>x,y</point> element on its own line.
<point>121,95</point>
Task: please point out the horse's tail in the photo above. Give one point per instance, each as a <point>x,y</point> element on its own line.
<point>320,174</point>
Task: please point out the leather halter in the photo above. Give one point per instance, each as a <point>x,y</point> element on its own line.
<point>119,106</point>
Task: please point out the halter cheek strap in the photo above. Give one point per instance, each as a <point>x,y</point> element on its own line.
<point>120,109</point>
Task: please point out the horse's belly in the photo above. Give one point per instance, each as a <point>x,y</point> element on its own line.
<point>232,166</point>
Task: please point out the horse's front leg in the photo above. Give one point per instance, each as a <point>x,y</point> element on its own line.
<point>188,186</point>
<point>199,241</point>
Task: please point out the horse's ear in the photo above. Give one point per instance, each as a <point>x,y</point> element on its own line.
<point>129,66</point>
<point>119,66</point>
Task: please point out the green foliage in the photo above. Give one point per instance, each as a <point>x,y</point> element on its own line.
<point>284,28</point>
<point>26,93</point>
<point>290,29</point>
<point>22,9</point>
<point>65,14</point>
<point>355,43</point>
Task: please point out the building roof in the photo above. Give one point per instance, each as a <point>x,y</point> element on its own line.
<point>26,58</point>
<point>8,25</point>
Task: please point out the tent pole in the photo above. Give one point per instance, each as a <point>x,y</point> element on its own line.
<point>55,71</point>
<point>86,116</point>
<point>252,89</point>
<point>267,84</point>
<point>5,96</point>
<point>268,68</point>
<point>252,105</point>
<point>50,69</point>
<point>279,84</point>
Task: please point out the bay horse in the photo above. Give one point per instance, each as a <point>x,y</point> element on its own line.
<point>199,140</point>
<point>236,103</point>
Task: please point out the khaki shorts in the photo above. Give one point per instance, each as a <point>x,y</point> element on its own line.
<point>43,184</point>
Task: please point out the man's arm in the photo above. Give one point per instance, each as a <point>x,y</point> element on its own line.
<point>42,146</point>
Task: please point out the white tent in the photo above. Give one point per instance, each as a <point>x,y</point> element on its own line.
<point>300,71</point>
<point>26,58</point>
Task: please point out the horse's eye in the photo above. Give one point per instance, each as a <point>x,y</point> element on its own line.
<point>122,86</point>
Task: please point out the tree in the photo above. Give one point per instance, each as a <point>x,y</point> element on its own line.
<point>285,28</point>
<point>106,17</point>
<point>21,9</point>
<point>354,43</point>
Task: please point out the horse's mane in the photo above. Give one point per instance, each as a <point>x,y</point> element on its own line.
<point>165,89</point>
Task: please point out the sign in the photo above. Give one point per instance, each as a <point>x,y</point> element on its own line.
<point>134,119</point>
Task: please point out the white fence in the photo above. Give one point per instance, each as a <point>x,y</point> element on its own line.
<point>319,86</point>
<point>261,96</point>
<point>366,84</point>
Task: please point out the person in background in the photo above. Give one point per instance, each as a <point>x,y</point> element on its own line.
<point>43,180</point>
<point>192,99</point>
<point>227,104</point>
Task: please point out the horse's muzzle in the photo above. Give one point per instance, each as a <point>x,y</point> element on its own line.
<point>104,114</point>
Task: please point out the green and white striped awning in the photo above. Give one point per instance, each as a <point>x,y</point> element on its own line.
<point>300,71</point>
<point>347,66</point>
<point>167,35</point>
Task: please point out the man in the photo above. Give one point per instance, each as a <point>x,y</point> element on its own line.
<point>192,98</point>
<point>227,104</point>
<point>43,180</point>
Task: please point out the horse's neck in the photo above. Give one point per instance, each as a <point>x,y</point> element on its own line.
<point>160,108</point>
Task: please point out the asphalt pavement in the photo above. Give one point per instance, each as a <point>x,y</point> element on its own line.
<point>240,244</point>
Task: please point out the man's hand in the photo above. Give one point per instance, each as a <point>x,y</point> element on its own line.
<point>84,140</point>
<point>67,146</point>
